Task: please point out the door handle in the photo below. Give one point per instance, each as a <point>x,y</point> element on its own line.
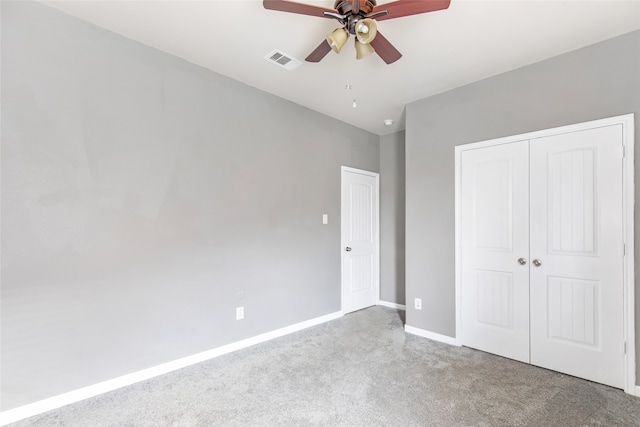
<point>536,262</point>
<point>522,261</point>
<point>348,249</point>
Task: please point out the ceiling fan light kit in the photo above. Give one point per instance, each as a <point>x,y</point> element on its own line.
<point>363,50</point>
<point>337,39</point>
<point>366,30</point>
<point>358,17</point>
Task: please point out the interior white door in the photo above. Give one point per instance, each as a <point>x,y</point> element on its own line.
<point>495,250</point>
<point>577,254</point>
<point>360,241</point>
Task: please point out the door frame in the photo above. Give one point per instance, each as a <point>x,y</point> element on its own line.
<point>627,157</point>
<point>376,209</point>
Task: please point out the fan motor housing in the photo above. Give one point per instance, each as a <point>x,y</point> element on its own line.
<point>344,7</point>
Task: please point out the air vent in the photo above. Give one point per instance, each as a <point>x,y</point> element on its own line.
<point>283,60</point>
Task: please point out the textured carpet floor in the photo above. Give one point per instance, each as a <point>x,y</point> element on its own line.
<point>359,370</point>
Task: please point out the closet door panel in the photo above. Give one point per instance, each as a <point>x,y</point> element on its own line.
<point>576,238</point>
<point>494,235</point>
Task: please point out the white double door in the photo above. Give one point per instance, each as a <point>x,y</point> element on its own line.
<point>541,252</point>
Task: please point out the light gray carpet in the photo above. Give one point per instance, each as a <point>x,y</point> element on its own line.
<point>359,370</point>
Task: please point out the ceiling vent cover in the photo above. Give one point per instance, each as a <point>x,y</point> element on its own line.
<point>282,60</point>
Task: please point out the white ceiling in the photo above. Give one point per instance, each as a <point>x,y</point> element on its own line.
<point>471,40</point>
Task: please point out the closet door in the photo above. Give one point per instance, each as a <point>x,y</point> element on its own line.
<point>495,250</point>
<point>577,254</point>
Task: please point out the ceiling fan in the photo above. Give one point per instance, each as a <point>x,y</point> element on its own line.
<point>358,17</point>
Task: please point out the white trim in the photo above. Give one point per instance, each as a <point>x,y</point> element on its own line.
<point>627,122</point>
<point>74,396</point>
<point>546,132</point>
<point>628,200</point>
<point>376,208</point>
<point>392,305</point>
<point>360,171</point>
<point>637,391</point>
<point>458,237</point>
<point>431,335</point>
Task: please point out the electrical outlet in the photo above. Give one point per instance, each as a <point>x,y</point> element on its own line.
<point>239,313</point>
<point>418,303</point>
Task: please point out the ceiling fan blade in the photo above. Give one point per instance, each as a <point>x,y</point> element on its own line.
<point>355,6</point>
<point>401,8</point>
<point>385,49</point>
<point>301,8</point>
<point>319,52</point>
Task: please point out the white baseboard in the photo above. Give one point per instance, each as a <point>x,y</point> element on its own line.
<point>638,390</point>
<point>392,305</point>
<point>22,412</point>
<point>431,335</point>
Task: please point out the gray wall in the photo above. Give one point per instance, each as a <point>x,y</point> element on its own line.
<point>392,217</point>
<point>144,198</point>
<point>598,81</point>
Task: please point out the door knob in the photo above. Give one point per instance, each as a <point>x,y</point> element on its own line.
<point>522,261</point>
<point>537,262</point>
<point>348,249</point>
